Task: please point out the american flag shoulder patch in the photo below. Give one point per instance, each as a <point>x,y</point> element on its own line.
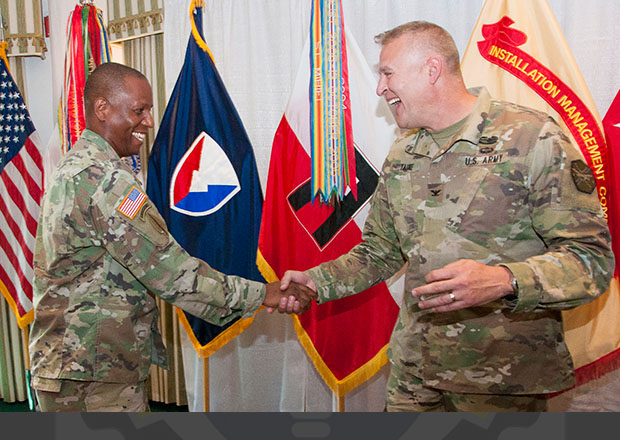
<point>132,202</point>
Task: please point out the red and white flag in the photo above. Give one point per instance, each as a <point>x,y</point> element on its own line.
<point>21,188</point>
<point>347,338</point>
<point>518,51</point>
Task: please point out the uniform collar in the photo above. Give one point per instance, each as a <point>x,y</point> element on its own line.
<point>100,143</point>
<point>421,143</point>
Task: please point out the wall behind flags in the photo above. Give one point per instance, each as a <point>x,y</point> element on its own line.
<point>257,60</point>
<point>257,46</point>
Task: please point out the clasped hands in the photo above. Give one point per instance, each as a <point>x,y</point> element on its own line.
<point>289,297</point>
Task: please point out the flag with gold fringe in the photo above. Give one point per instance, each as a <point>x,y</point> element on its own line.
<point>87,47</point>
<point>21,188</point>
<point>203,179</point>
<point>345,339</point>
<point>517,50</point>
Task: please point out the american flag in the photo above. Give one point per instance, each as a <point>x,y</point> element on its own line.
<point>132,203</point>
<point>21,188</point>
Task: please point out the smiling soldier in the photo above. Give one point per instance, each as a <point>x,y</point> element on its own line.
<point>100,245</point>
<point>496,215</point>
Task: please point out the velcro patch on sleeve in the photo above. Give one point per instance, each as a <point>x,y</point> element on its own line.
<point>582,175</point>
<point>132,202</point>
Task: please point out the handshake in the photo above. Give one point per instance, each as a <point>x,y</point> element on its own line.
<point>293,294</point>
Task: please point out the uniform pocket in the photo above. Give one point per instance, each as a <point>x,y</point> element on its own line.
<point>493,212</point>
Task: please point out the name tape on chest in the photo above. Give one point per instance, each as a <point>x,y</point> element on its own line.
<point>484,160</point>
<point>132,202</point>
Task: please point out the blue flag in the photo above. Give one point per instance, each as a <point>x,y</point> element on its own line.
<point>202,177</point>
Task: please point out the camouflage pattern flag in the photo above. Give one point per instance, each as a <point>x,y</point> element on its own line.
<point>517,50</point>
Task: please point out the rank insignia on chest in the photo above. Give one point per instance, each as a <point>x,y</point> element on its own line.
<point>436,191</point>
<point>582,175</point>
<point>132,202</point>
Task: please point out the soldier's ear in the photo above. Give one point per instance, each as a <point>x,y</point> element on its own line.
<point>434,67</point>
<point>101,108</point>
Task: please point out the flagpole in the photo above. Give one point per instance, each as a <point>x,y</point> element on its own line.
<point>341,403</point>
<point>205,383</point>
<point>26,338</point>
<point>205,361</point>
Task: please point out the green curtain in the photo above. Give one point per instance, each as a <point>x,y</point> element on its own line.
<point>128,19</point>
<point>23,27</point>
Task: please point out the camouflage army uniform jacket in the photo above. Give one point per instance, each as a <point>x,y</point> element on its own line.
<point>504,191</point>
<point>94,319</point>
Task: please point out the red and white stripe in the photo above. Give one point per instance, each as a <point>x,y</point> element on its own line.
<point>21,189</point>
<point>130,207</point>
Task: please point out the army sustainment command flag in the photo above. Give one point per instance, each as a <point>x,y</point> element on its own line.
<point>346,339</point>
<point>21,188</point>
<point>517,50</point>
<point>203,179</point>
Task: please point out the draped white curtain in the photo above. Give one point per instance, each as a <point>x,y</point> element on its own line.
<point>257,45</point>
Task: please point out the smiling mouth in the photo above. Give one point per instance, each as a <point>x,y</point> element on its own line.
<point>394,101</point>
<point>139,136</point>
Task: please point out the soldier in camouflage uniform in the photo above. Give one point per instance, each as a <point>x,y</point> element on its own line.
<point>497,217</point>
<point>100,245</point>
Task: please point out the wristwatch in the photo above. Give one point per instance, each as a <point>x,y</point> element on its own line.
<point>514,284</point>
<point>514,295</point>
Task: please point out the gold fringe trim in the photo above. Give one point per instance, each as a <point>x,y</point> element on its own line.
<point>22,321</point>
<point>201,43</point>
<point>204,351</point>
<point>353,380</point>
<point>338,387</point>
<point>3,47</point>
<point>265,268</point>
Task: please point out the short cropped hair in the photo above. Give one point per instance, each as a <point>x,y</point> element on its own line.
<point>432,35</point>
<point>105,81</point>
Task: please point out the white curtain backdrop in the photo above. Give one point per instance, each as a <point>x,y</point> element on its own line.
<point>257,45</point>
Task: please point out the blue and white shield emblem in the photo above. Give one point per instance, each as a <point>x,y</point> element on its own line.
<point>203,180</point>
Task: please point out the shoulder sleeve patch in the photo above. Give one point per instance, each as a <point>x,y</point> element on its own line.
<point>582,175</point>
<point>132,202</point>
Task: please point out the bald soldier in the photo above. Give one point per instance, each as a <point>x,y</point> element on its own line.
<point>496,214</point>
<point>100,245</point>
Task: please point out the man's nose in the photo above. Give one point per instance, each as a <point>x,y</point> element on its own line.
<point>148,120</point>
<point>381,87</point>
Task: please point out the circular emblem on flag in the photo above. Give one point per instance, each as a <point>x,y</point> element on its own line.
<point>203,180</point>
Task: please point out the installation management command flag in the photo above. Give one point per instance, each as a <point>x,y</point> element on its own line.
<point>517,50</point>
<point>21,188</point>
<point>203,179</point>
<point>346,339</point>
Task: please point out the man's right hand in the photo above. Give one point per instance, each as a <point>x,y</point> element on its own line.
<point>292,298</point>
<point>298,277</point>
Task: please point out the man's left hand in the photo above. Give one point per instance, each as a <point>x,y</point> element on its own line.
<point>462,284</point>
